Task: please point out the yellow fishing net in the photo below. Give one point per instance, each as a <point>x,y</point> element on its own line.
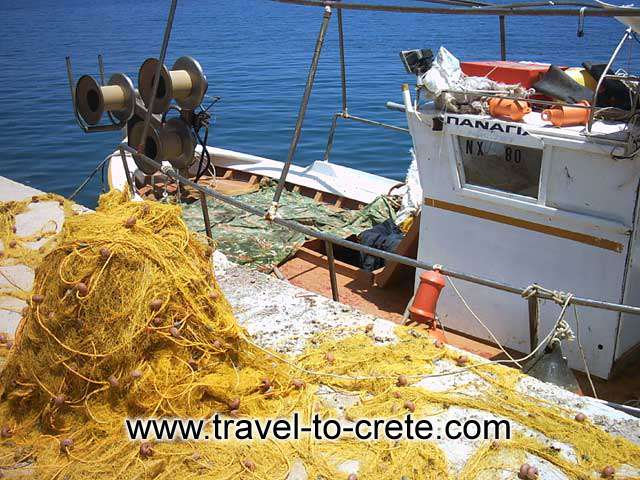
<point>126,320</point>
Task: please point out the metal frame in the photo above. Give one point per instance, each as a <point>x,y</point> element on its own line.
<point>72,87</point>
<point>628,33</point>
<point>591,9</point>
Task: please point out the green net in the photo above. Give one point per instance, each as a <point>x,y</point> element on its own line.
<point>249,240</point>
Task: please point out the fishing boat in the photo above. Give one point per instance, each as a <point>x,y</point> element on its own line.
<point>525,175</point>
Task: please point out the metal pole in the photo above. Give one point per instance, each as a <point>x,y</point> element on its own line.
<point>205,215</point>
<point>534,321</point>
<point>347,116</point>
<point>627,34</point>
<point>592,10</point>
<point>332,271</point>
<point>503,39</point>
<point>101,69</point>
<point>343,68</point>
<point>375,123</point>
<point>127,173</point>
<point>301,113</point>
<point>332,132</point>
<point>72,88</point>
<point>156,79</point>
<point>391,257</point>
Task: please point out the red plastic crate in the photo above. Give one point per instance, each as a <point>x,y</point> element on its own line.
<point>526,74</point>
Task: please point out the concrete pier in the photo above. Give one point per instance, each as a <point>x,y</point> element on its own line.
<point>41,216</point>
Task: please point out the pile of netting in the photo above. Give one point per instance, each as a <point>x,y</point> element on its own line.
<point>126,320</point>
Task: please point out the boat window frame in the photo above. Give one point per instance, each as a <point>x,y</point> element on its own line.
<point>487,193</point>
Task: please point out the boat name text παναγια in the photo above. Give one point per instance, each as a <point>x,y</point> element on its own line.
<point>486,125</point>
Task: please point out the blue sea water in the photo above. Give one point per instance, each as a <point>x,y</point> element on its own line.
<point>256,54</point>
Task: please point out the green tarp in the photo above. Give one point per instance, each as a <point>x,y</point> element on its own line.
<point>248,239</point>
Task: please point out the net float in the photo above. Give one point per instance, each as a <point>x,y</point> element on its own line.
<point>155,304</point>
<point>566,116</point>
<point>66,445</point>
<point>524,469</point>
<point>37,298</point>
<point>425,301</point>
<point>146,450</point>
<point>462,360</point>
<point>82,288</point>
<point>508,109</point>
<point>113,381</point>
<point>265,385</point>
<point>608,472</point>
<point>130,222</point>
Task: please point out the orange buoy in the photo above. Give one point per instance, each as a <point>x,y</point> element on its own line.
<point>508,109</point>
<point>423,308</point>
<point>567,116</point>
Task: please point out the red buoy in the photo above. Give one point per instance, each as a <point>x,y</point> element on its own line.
<point>423,308</point>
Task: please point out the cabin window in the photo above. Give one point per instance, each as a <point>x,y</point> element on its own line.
<point>500,166</point>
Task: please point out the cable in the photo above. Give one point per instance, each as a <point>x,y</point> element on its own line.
<point>584,358</point>
<point>202,119</point>
<point>90,176</point>
<point>495,339</point>
<point>205,153</point>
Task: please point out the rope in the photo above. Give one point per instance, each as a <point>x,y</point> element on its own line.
<point>562,330</point>
<point>584,358</point>
<point>495,339</point>
<point>83,184</point>
<point>550,336</point>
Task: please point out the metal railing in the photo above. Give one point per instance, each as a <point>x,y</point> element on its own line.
<point>531,9</point>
